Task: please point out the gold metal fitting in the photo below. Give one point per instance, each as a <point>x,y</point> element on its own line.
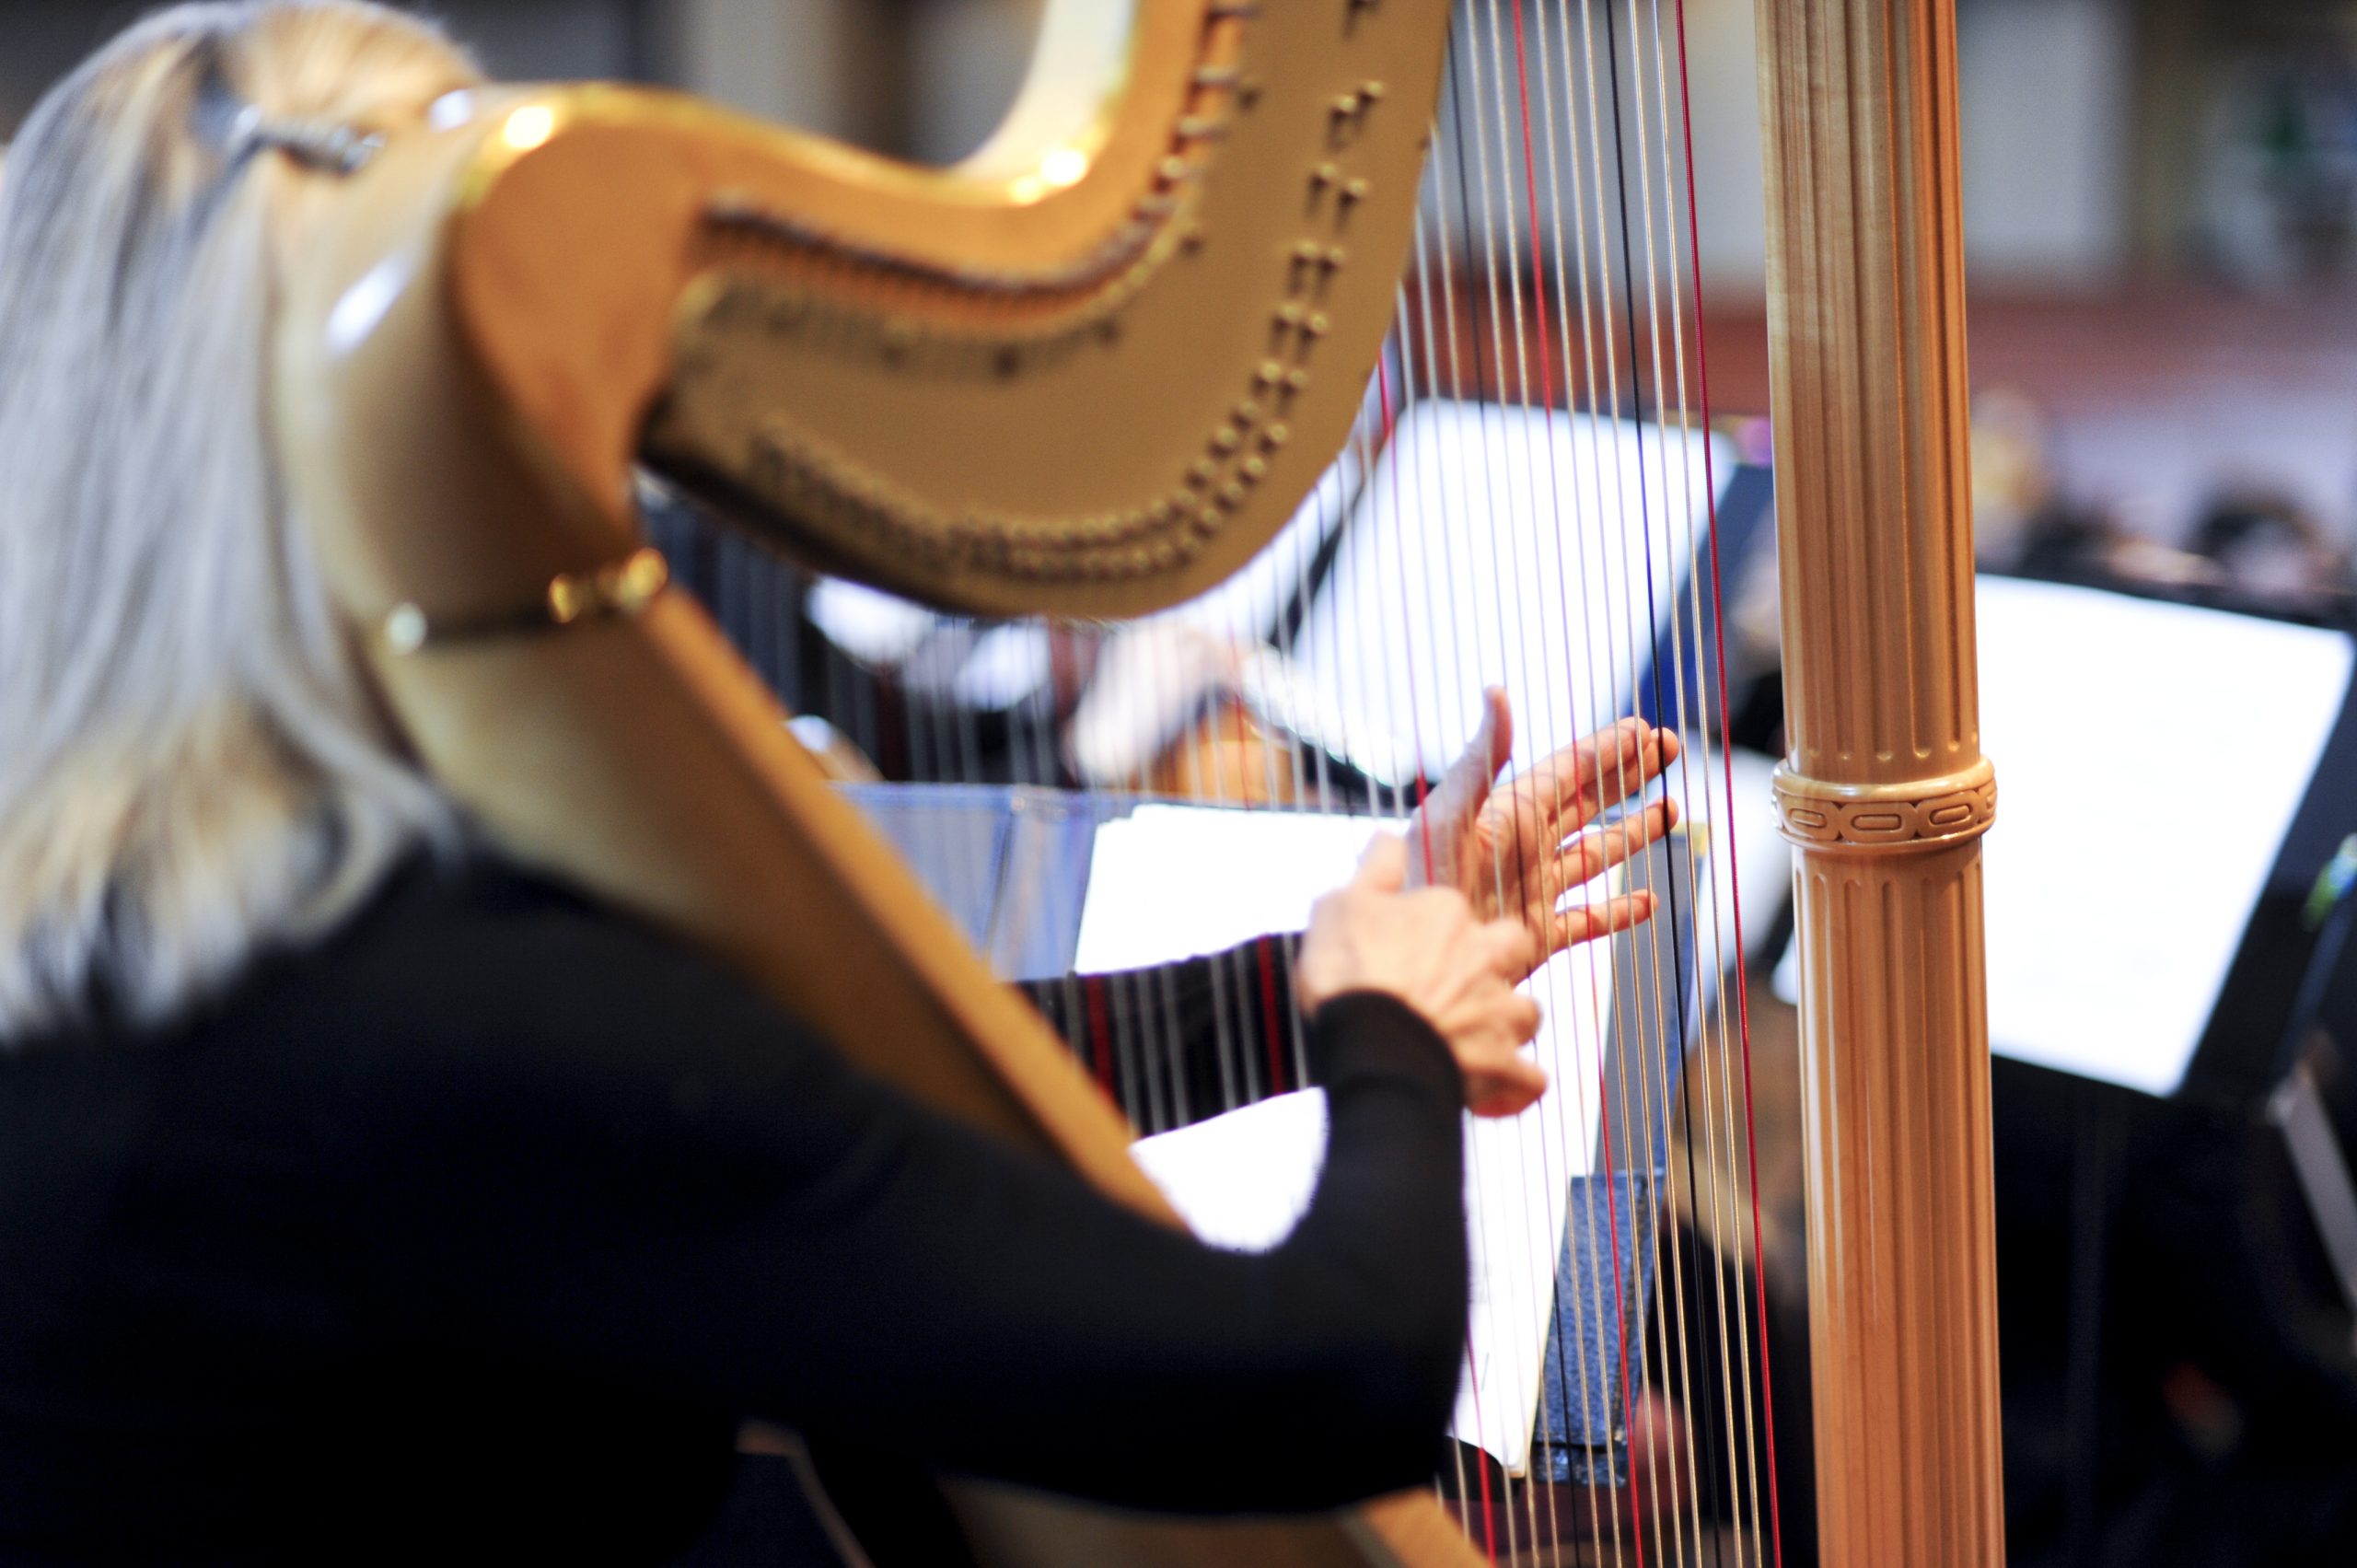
<point>620,588</point>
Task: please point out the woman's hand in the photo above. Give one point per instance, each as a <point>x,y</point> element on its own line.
<point>1425,947</point>
<point>1513,853</point>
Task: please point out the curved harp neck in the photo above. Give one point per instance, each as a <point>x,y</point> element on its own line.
<point>1089,371</point>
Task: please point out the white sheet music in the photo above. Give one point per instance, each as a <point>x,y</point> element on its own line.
<point>1593,522</point>
<point>1170,882</point>
<point>1244,1179</point>
<point>1517,1189</point>
<point>2114,912</point>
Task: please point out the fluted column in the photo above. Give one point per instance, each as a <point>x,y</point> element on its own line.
<point>1883,790</point>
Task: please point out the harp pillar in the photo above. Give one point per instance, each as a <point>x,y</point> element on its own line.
<point>1883,790</point>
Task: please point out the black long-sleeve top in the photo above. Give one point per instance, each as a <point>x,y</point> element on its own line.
<point>488,1220</point>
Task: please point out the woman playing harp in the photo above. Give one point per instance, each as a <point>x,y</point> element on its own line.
<point>362,1193</point>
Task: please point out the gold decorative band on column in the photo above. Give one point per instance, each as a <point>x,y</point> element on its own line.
<point>1914,813</point>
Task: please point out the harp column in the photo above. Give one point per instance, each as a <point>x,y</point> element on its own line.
<point>1883,790</point>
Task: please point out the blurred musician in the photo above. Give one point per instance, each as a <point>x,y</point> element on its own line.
<point>363,1197</point>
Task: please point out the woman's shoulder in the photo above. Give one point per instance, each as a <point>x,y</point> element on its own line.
<point>484,959</point>
<point>472,1018</point>
<point>463,918</point>
<point>477,1013</point>
<point>452,939</point>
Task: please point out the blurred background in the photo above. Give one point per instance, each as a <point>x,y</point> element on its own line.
<point>2160,204</point>
<point>2160,224</point>
<point>2160,219</point>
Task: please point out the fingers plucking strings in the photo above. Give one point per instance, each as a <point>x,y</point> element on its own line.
<point>1574,785</point>
<point>1592,851</point>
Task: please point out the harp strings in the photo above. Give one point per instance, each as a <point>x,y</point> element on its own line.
<point>1467,152</point>
<point>1717,1121</point>
<point>1672,1300</point>
<point>1719,1356</point>
<point>1578,1090</point>
<point>1411,331</point>
<point>1500,190</point>
<point>1490,138</point>
<point>1636,1156</point>
<point>1549,278</point>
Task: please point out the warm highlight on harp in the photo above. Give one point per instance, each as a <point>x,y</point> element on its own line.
<point>1264,515</point>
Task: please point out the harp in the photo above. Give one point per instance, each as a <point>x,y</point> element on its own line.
<point>1091,373</point>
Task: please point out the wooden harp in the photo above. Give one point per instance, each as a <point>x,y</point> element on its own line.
<point>1883,792</point>
<point>1089,373</point>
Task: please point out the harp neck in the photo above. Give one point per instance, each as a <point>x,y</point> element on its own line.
<point>1094,385</point>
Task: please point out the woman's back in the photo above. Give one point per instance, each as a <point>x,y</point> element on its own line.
<point>224,1335</point>
<point>489,1221</point>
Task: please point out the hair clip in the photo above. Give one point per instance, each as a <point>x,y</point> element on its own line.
<point>238,129</point>
<point>341,150</point>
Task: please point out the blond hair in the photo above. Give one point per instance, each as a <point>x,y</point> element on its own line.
<point>192,765</point>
